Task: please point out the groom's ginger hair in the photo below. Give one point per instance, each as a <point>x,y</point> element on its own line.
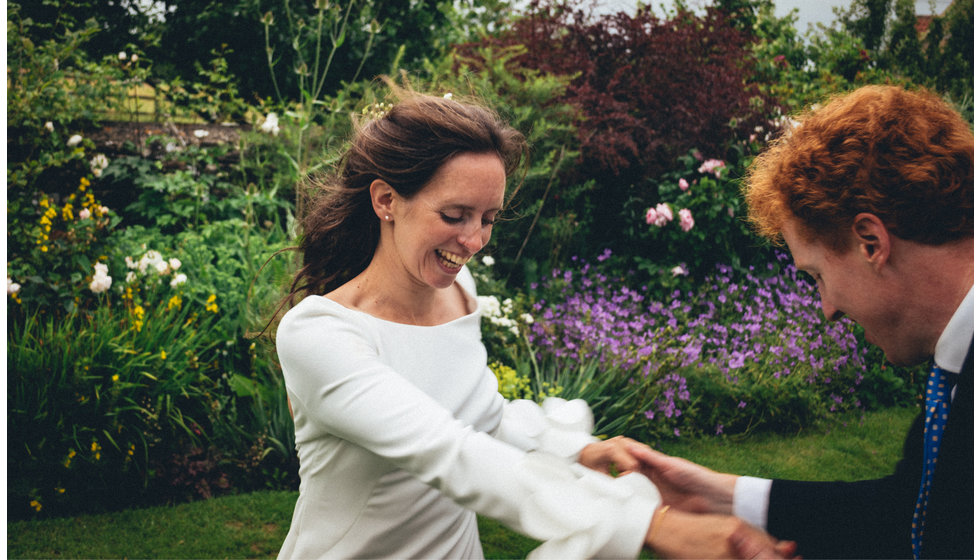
<point>904,156</point>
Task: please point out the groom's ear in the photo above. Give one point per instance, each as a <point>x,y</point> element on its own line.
<point>873,239</point>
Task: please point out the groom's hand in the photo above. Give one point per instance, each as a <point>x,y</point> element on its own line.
<point>686,485</point>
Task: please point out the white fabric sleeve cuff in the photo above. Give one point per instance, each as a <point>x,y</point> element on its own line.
<point>556,426</point>
<point>751,500</point>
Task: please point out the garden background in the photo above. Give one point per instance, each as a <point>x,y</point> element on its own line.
<point>155,160</point>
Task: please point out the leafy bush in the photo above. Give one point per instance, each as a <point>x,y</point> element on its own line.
<point>696,220</point>
<point>100,399</point>
<point>649,90</point>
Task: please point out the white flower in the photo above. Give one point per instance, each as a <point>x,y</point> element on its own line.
<point>178,280</point>
<point>101,281</point>
<point>527,318</point>
<point>271,124</point>
<point>162,267</point>
<point>122,55</point>
<point>130,277</point>
<point>74,140</point>
<point>130,263</point>
<point>489,306</point>
<point>134,58</point>
<point>98,163</point>
<point>448,95</point>
<point>174,263</point>
<point>151,258</point>
<point>679,270</point>
<point>12,287</point>
<point>84,214</point>
<point>201,133</point>
<point>50,126</point>
<point>104,209</point>
<point>488,260</point>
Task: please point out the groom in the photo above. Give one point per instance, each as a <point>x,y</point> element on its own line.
<point>873,195</point>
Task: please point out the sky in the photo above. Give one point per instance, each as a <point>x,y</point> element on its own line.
<point>810,11</point>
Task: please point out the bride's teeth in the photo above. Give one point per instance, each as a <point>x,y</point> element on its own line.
<point>455,260</point>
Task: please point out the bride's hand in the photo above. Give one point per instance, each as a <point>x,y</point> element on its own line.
<point>614,456</point>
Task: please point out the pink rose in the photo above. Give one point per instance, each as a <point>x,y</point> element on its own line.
<point>660,215</point>
<point>665,213</point>
<point>687,220</point>
<point>712,166</point>
<point>683,184</point>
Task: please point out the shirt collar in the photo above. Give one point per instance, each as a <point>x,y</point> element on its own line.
<point>954,343</point>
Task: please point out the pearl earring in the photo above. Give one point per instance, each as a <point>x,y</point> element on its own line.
<point>387,217</point>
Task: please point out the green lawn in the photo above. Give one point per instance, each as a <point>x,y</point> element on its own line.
<point>254,525</point>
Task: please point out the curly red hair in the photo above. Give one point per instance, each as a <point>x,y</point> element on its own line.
<point>904,156</point>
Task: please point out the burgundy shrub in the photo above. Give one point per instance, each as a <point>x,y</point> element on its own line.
<point>649,89</point>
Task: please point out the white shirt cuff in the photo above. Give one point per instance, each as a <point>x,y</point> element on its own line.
<point>751,500</point>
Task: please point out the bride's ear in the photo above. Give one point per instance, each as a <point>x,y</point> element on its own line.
<point>382,197</point>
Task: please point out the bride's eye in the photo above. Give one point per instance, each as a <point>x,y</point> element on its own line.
<point>450,219</point>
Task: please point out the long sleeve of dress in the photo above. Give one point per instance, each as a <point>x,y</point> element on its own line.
<point>344,389</point>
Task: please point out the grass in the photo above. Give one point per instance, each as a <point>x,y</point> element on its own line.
<point>254,525</point>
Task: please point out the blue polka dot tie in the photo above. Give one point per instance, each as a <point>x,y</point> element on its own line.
<point>937,411</point>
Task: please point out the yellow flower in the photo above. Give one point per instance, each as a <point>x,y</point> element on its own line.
<point>66,212</point>
<point>43,203</point>
<point>163,354</point>
<point>95,446</point>
<point>175,301</point>
<point>84,183</point>
<point>115,378</point>
<point>211,305</point>
<point>59,489</point>
<point>36,505</point>
<point>44,248</point>
<point>139,313</point>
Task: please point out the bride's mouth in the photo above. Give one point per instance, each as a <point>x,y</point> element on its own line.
<point>451,261</point>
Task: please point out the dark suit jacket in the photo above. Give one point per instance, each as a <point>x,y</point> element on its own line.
<point>873,518</point>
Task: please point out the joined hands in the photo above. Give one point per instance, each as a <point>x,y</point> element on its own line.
<point>695,519</point>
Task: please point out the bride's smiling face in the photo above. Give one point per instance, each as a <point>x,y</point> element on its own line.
<point>440,228</point>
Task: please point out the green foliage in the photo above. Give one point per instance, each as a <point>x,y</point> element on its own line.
<point>98,400</point>
<point>215,98</point>
<point>54,90</point>
<point>866,20</point>
<point>758,401</point>
<point>53,249</point>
